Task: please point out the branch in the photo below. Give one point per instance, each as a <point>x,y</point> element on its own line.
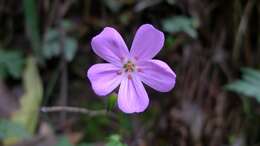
<point>242,30</point>
<point>75,110</point>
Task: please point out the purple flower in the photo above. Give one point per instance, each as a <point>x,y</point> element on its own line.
<point>130,69</point>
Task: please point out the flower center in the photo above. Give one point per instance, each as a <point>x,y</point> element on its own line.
<point>129,66</point>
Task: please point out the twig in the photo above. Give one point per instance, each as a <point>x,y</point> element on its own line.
<point>63,95</point>
<point>242,29</point>
<point>65,7</point>
<point>64,69</point>
<point>74,110</point>
<point>51,15</point>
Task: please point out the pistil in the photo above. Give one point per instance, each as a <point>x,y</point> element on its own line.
<point>129,66</point>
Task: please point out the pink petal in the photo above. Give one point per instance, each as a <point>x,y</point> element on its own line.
<point>104,78</point>
<point>147,43</point>
<point>157,74</point>
<point>110,46</point>
<point>132,96</point>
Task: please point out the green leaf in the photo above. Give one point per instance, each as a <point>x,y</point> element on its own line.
<point>249,85</point>
<point>9,130</point>
<point>27,115</point>
<point>66,24</point>
<point>251,76</point>
<point>86,144</point>
<point>115,140</point>
<point>70,48</point>
<point>32,26</point>
<point>63,141</point>
<point>11,63</point>
<point>95,127</point>
<point>51,45</point>
<point>169,42</point>
<point>171,2</point>
<point>113,5</point>
<point>111,102</point>
<point>178,24</point>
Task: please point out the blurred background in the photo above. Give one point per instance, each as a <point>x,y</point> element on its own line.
<point>212,45</point>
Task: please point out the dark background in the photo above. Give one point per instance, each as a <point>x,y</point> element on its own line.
<point>212,45</point>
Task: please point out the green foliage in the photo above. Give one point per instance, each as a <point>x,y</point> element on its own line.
<point>51,45</point>
<point>111,102</point>
<point>125,124</point>
<point>113,5</point>
<point>70,48</point>
<point>32,26</point>
<point>27,115</point>
<point>169,42</point>
<point>11,63</point>
<point>63,141</point>
<point>115,140</point>
<point>9,130</point>
<point>178,24</point>
<point>249,85</point>
<point>66,24</point>
<point>85,144</point>
<point>171,2</point>
<point>95,126</point>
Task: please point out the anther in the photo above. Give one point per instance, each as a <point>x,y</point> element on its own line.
<point>129,66</point>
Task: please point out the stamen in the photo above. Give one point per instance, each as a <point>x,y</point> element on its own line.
<point>129,66</point>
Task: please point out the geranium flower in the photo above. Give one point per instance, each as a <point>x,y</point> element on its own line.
<point>130,69</point>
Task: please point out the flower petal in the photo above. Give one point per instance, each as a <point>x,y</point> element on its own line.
<point>104,78</point>
<point>157,74</point>
<point>147,43</point>
<point>132,96</point>
<point>110,46</point>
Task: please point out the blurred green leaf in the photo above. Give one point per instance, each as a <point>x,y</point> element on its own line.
<point>70,48</point>
<point>32,26</point>
<point>3,73</point>
<point>249,85</point>
<point>10,130</point>
<point>95,127</point>
<point>115,140</point>
<point>113,5</point>
<point>63,141</point>
<point>111,102</point>
<point>27,115</point>
<point>170,40</point>
<point>180,24</point>
<point>66,24</point>
<point>11,63</point>
<point>85,144</point>
<point>125,124</point>
<point>171,2</point>
<point>51,45</point>
<point>144,4</point>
